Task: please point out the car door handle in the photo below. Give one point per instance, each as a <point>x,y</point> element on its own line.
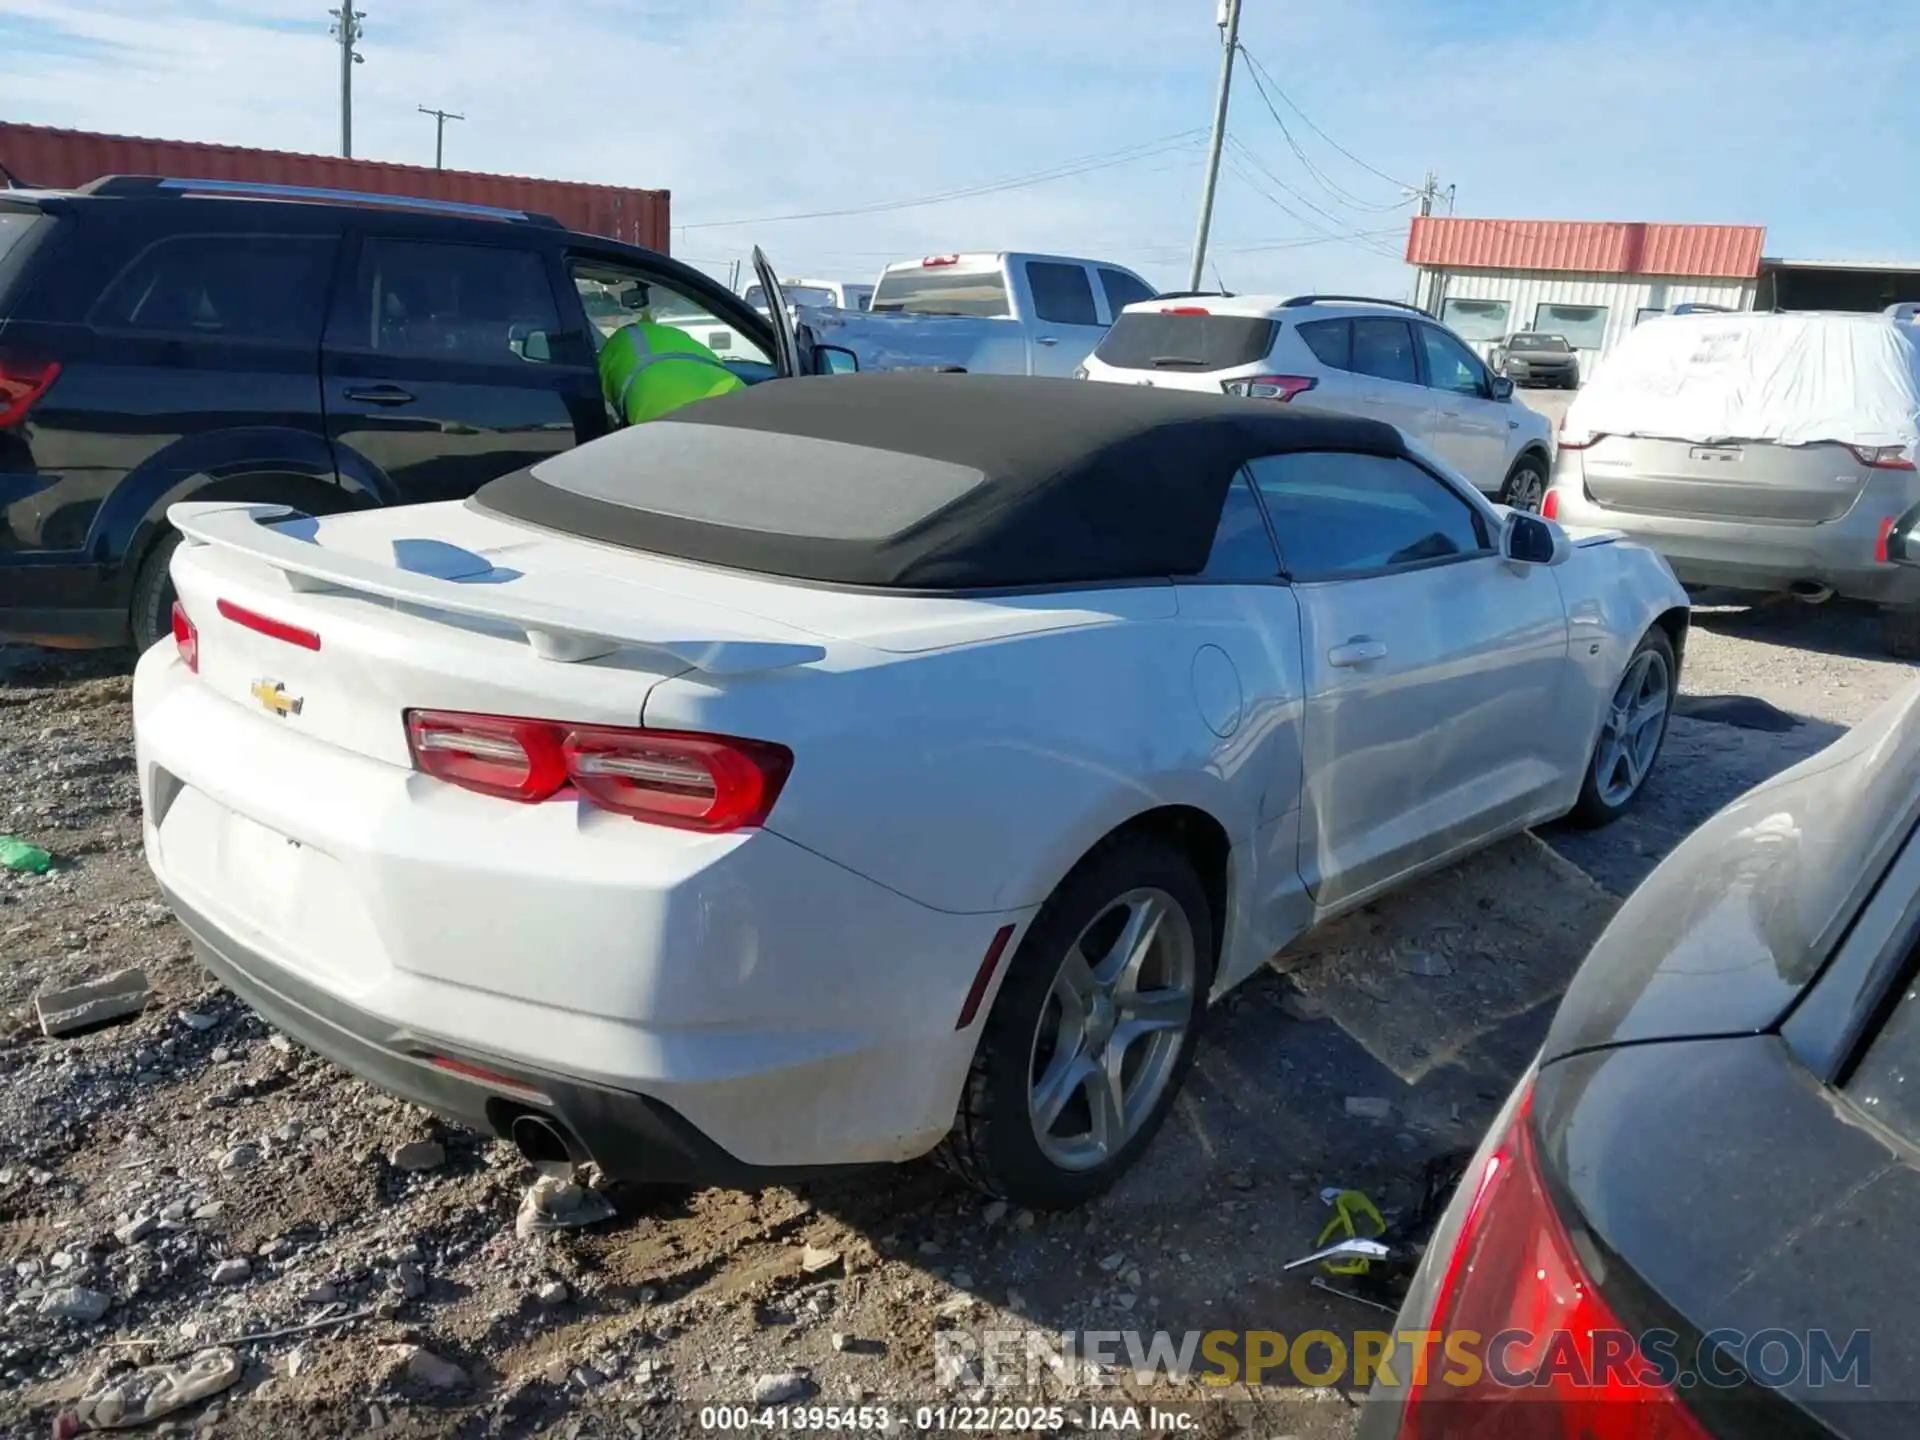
<point>1357,651</point>
<point>381,395</point>
<point>1046,339</point>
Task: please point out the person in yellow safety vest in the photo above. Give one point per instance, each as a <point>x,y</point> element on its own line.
<point>648,369</point>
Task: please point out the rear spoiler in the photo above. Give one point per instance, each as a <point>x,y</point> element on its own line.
<point>442,582</point>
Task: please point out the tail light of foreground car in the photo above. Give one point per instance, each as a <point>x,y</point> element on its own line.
<point>1550,505</point>
<point>22,383</point>
<point>1516,1280</point>
<point>1269,387</point>
<point>1882,457</point>
<point>186,637</point>
<point>710,783</point>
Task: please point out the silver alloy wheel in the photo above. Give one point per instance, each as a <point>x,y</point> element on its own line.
<point>1110,1033</point>
<point>1526,490</point>
<point>1630,735</point>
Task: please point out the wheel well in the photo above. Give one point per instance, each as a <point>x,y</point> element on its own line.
<point>1199,837</point>
<point>1532,452</point>
<point>1676,622</point>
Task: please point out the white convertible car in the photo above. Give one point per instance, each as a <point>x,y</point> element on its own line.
<point>851,768</point>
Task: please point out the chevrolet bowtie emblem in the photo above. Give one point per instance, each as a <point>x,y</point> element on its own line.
<point>273,695</point>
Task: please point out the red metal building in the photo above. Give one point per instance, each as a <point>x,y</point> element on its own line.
<point>61,159</point>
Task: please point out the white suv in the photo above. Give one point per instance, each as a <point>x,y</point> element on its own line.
<point>1339,352</point>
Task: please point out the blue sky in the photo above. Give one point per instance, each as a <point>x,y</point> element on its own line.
<point>1789,115</point>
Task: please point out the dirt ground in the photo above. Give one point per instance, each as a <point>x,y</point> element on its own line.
<point>142,1159</point>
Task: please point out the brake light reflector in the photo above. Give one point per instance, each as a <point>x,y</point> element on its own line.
<point>493,754</point>
<point>1559,1362</point>
<point>1550,505</point>
<point>1270,387</point>
<point>1880,541</point>
<point>268,626</point>
<point>932,260</point>
<point>694,782</point>
<point>1185,310</point>
<point>1575,439</point>
<point>22,383</point>
<point>668,777</point>
<point>1882,457</point>
<point>186,637</point>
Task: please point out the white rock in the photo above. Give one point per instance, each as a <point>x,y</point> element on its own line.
<point>1112,1262</point>
<point>194,1020</point>
<point>232,1272</point>
<point>240,1157</point>
<point>419,1155</point>
<point>786,1385</point>
<point>552,1293</point>
<point>995,1212</point>
<point>816,1261</point>
<point>137,1229</point>
<point>426,1368</point>
<point>70,1302</point>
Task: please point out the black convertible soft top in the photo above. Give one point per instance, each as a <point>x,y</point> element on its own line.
<point>926,481</point>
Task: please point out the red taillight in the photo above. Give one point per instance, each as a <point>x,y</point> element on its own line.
<point>932,260</point>
<point>1185,310</point>
<point>22,383</point>
<point>697,782</point>
<point>1550,505</point>
<point>186,637</point>
<point>495,754</point>
<point>1269,387</point>
<point>1877,457</point>
<point>692,782</point>
<point>268,626</point>
<point>1515,1279</point>
<point>1579,440</point>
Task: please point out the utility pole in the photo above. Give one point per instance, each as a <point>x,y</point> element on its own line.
<point>1428,192</point>
<point>346,29</point>
<point>1228,19</point>
<point>440,118</point>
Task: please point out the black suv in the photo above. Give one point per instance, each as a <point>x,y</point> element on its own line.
<point>163,340</point>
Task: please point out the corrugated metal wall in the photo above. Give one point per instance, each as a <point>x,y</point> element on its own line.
<point>62,159</point>
<point>1622,296</point>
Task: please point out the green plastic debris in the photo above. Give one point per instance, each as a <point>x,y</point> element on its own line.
<point>17,854</point>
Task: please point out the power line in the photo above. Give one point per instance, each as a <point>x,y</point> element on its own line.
<point>1065,170</point>
<point>1352,237</point>
<point>440,118</point>
<point>1261,71</point>
<point>1340,194</point>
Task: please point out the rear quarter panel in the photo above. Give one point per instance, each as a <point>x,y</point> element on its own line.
<point>973,778</point>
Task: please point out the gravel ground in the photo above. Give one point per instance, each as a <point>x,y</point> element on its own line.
<point>214,1184</point>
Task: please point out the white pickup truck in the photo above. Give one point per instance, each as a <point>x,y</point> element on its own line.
<point>1003,314</point>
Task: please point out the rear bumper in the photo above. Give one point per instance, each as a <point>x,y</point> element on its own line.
<point>690,1006</point>
<point>1756,556</point>
<point>630,1136</point>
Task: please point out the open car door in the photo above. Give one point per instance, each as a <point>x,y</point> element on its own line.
<point>786,336</point>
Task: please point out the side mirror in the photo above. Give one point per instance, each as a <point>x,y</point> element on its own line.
<point>1903,540</point>
<point>1528,540</point>
<point>1502,388</point>
<point>834,360</point>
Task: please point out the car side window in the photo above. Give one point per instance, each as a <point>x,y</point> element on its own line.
<point>1331,342</point>
<point>486,304</point>
<point>266,288</point>
<point>1122,290</point>
<point>1062,294</point>
<point>1242,548</point>
<point>616,295</point>
<point>1886,1082</point>
<point>1339,515</point>
<point>1384,350</point>
<point>1451,366</point>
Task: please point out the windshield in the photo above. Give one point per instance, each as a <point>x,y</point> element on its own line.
<point>1538,342</point>
<point>931,290</point>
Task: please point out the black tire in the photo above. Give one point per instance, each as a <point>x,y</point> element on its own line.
<point>992,1145</point>
<point>1593,809</point>
<point>1900,633</point>
<point>150,607</point>
<point>1526,484</point>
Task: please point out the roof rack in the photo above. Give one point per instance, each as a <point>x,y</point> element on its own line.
<point>150,185</point>
<point>1293,300</point>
